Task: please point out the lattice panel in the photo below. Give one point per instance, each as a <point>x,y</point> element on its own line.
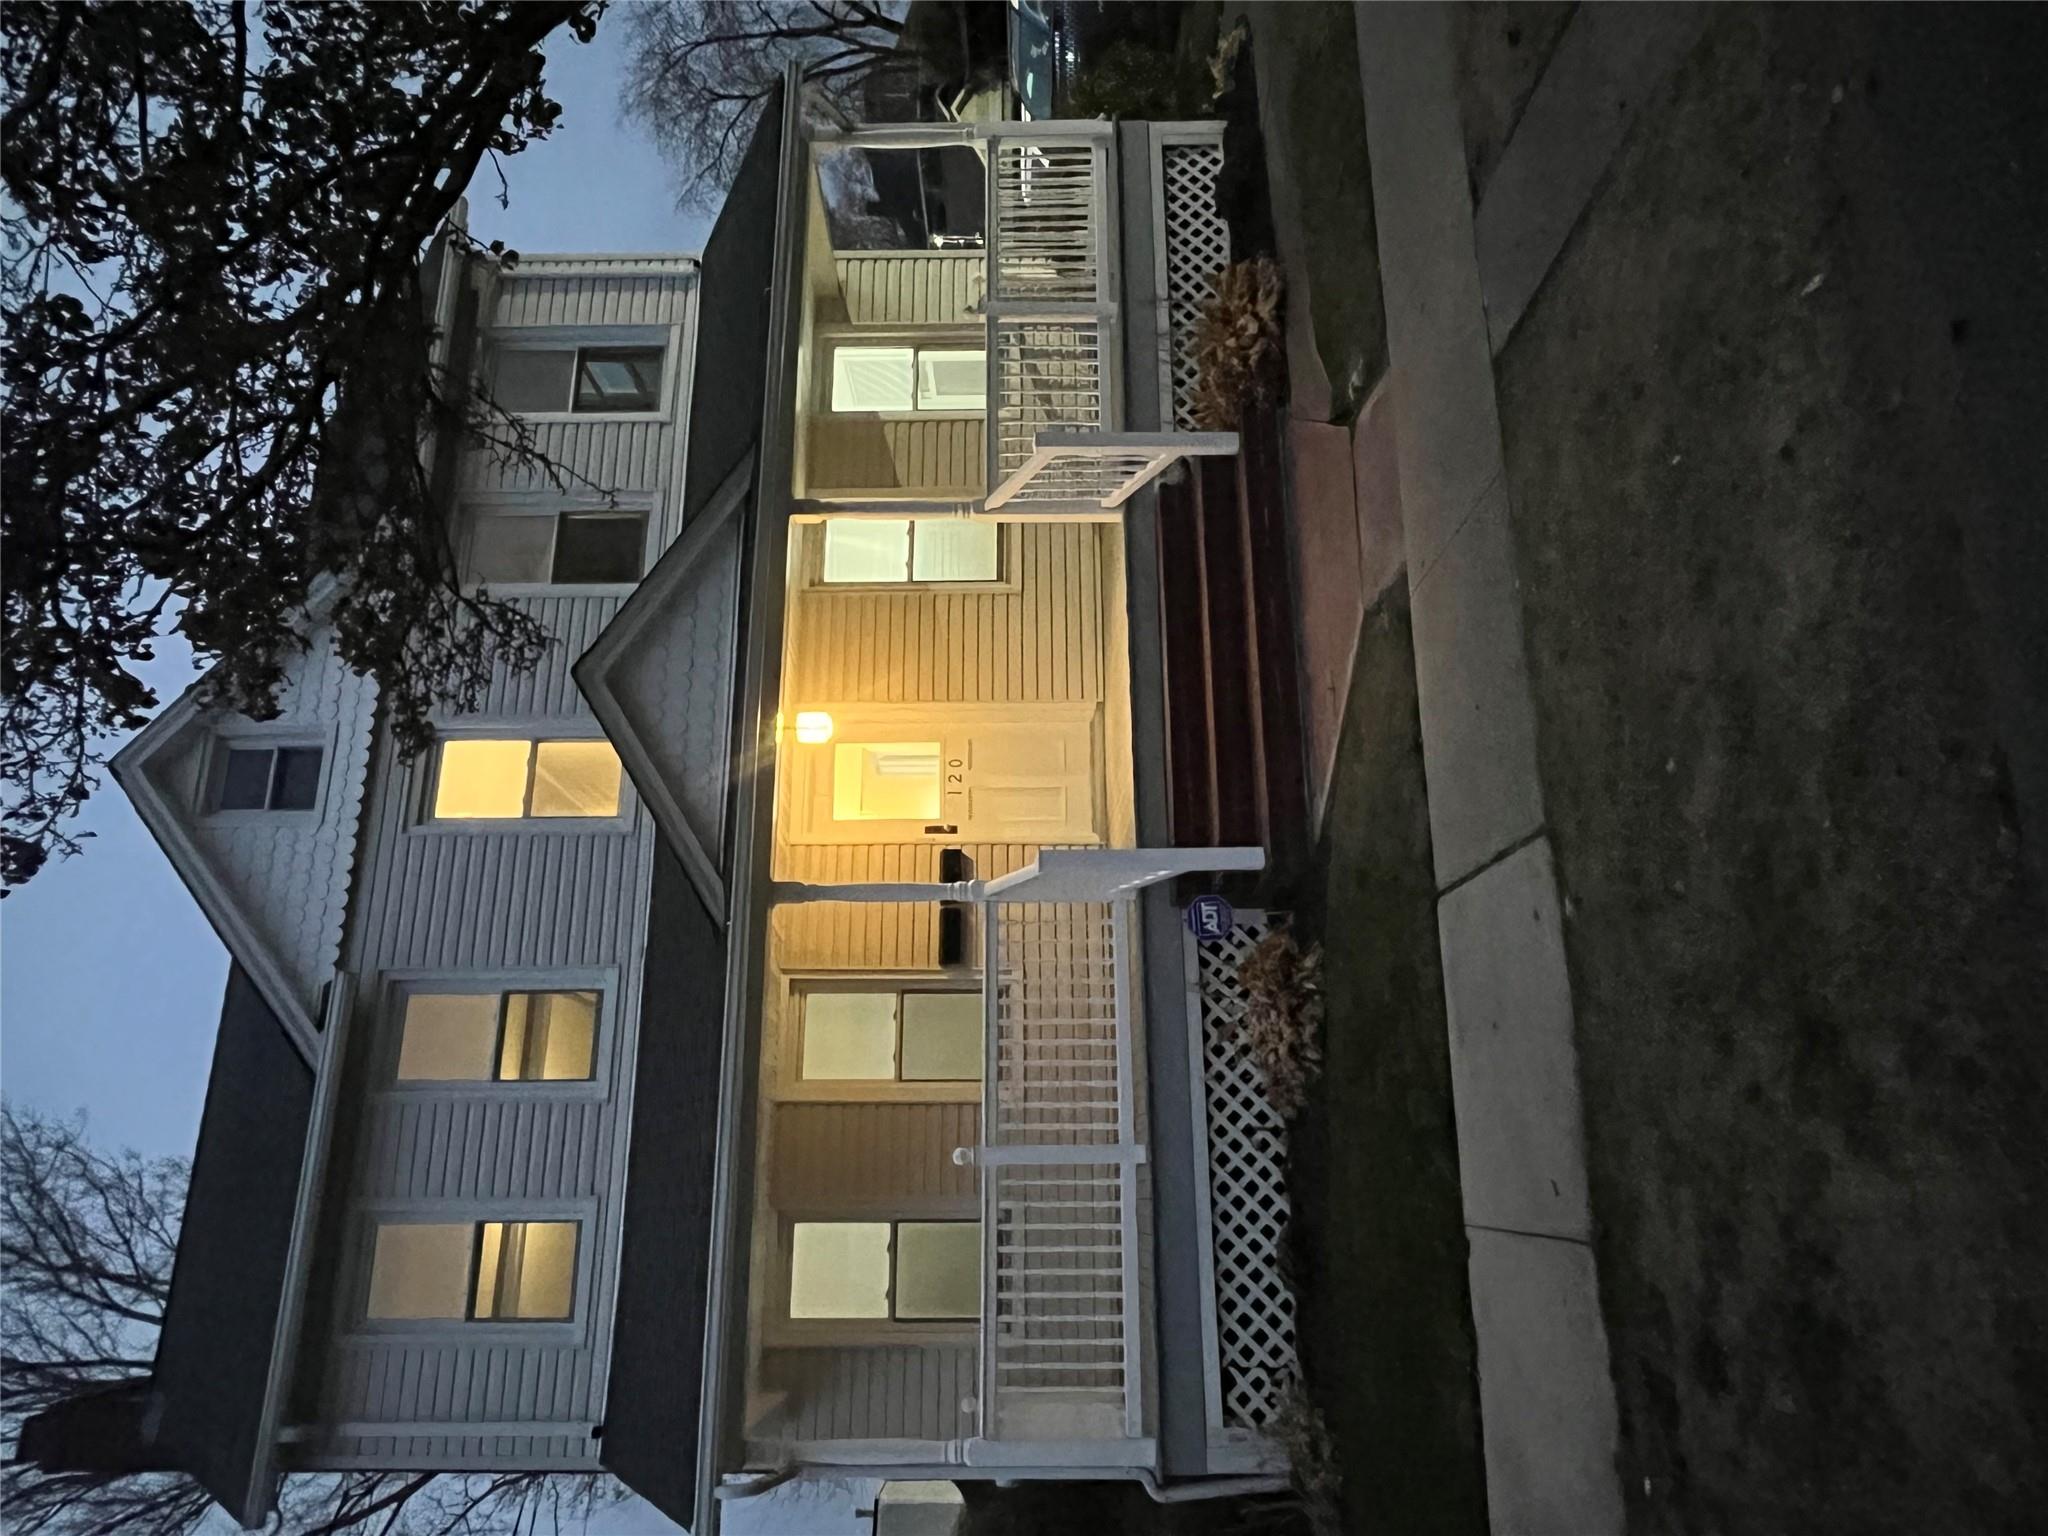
<point>1197,248</point>
<point>1247,1192</point>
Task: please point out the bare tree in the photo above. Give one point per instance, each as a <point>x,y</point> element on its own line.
<point>698,73</point>
<point>88,1239</point>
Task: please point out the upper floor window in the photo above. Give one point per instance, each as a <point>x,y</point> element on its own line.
<point>261,778</point>
<point>504,1037</point>
<point>505,779</point>
<point>891,1035</point>
<point>908,1271</point>
<point>931,380</point>
<point>474,1271</point>
<point>564,549</point>
<point>887,551</point>
<point>583,380</point>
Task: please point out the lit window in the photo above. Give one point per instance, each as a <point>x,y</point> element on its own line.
<point>911,1271</point>
<point>909,379</point>
<point>556,549</point>
<point>508,1037</point>
<point>887,551</point>
<point>497,1271</point>
<point>478,779</point>
<point>885,781</point>
<point>885,1036</point>
<point>581,379</point>
<point>266,779</point>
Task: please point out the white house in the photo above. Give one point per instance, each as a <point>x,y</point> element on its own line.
<point>763,1040</point>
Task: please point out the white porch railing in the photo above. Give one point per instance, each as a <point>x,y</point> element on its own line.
<point>1061,1154</point>
<point>1054,345</point>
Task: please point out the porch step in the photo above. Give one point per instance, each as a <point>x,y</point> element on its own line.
<point>1233,709</point>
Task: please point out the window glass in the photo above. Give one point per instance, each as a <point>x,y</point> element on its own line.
<point>510,547</point>
<point>839,1269</point>
<point>549,1037</point>
<point>448,1037</point>
<point>245,779</point>
<point>481,780</point>
<point>942,1037</point>
<point>533,379</point>
<point>938,1269</point>
<point>598,547</point>
<point>849,1036</point>
<point>575,778</point>
<point>874,378</point>
<point>867,549</point>
<point>297,779</point>
<point>618,379</point>
<point>956,549</point>
<point>885,781</point>
<point>952,379</point>
<point>421,1269</point>
<point>526,1271</point>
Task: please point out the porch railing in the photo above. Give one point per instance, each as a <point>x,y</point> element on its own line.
<point>1062,1152</point>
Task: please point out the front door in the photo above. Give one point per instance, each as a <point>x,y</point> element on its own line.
<point>948,773</point>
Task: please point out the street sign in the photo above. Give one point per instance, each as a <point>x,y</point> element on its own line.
<point>1210,918</point>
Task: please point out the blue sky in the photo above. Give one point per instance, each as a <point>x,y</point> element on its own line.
<point>110,980</point>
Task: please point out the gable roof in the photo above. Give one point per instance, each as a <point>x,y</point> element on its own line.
<point>662,679</point>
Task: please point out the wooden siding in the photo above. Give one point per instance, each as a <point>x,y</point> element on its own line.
<point>942,457</point>
<point>896,1392</point>
<point>450,901</point>
<point>911,287</point>
<point>892,1159</point>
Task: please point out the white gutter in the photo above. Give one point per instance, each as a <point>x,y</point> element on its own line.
<point>753,812</point>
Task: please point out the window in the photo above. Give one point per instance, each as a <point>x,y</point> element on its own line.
<point>252,778</point>
<point>885,781</point>
<point>478,779</point>
<point>891,1036</point>
<point>580,379</point>
<point>873,551</point>
<point>503,1037</point>
<point>909,1271</point>
<point>474,1271</point>
<point>563,549</point>
<point>914,379</point>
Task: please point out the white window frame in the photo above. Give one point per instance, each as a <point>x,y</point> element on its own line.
<point>366,1216</point>
<point>426,774</point>
<point>811,569</point>
<point>645,503</point>
<point>605,981</point>
<point>912,338</point>
<point>793,1087</point>
<point>863,1332</point>
<point>569,338</point>
<point>267,736</point>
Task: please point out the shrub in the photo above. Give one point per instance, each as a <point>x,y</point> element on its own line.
<point>1238,347</point>
<point>1283,1021</point>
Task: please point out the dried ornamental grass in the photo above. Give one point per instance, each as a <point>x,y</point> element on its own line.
<point>1238,348</point>
<point>1283,1020</point>
<point>1303,1435</point>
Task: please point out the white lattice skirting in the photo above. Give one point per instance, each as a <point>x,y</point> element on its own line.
<point>1248,1212</point>
<point>1195,248</point>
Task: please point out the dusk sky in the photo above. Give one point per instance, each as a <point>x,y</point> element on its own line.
<point>111,980</point>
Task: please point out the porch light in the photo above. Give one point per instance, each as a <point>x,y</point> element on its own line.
<point>813,727</point>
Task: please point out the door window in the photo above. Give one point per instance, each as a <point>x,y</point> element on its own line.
<point>885,781</point>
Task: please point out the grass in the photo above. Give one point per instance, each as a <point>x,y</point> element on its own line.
<point>1378,1244</point>
<point>1809,973</point>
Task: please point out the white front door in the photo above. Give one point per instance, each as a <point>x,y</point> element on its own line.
<point>948,773</point>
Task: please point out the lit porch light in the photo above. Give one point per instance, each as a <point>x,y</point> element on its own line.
<point>813,727</point>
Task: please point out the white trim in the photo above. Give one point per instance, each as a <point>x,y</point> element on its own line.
<point>494,339</point>
<point>1205,1214</point>
<point>424,773</point>
<point>358,1328</point>
<point>646,504</point>
<point>239,733</point>
<point>396,985</point>
<point>415,1429</point>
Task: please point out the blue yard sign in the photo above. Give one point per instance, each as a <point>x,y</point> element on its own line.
<point>1210,918</point>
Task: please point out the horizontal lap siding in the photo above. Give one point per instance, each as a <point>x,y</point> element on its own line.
<point>882,1393</point>
<point>912,289</point>
<point>862,454</point>
<point>493,898</point>
<point>884,1157</point>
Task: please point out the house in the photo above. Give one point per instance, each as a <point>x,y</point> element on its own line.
<point>763,1039</point>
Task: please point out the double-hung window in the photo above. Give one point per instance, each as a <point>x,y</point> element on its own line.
<point>889,551</point>
<point>602,547</point>
<point>900,379</point>
<point>253,777</point>
<point>518,778</point>
<point>607,380</point>
<point>497,1037</point>
<point>897,1271</point>
<point>890,1035</point>
<point>473,1271</point>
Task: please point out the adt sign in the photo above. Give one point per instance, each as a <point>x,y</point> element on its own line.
<point>1210,918</point>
